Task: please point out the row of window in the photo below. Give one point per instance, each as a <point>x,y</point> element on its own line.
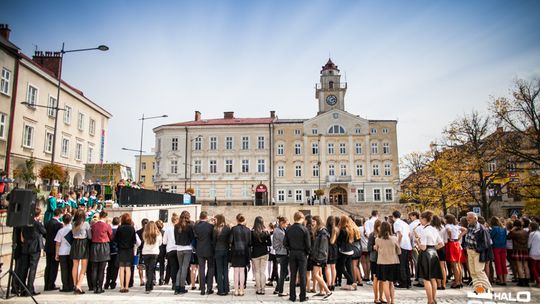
<point>298,195</point>
<point>343,170</point>
<point>28,142</point>
<point>213,143</point>
<point>331,148</point>
<point>280,171</point>
<point>334,129</point>
<point>280,149</point>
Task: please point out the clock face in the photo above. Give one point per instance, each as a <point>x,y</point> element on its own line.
<point>331,100</point>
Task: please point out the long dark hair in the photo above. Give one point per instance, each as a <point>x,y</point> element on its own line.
<point>258,228</point>
<point>332,229</point>
<point>386,230</point>
<point>220,223</point>
<point>183,221</point>
<point>436,222</point>
<point>78,220</point>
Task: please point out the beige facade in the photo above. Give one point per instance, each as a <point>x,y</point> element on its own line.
<point>147,166</point>
<point>358,157</point>
<point>9,55</point>
<point>82,124</point>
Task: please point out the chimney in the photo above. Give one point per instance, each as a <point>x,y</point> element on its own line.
<point>228,115</point>
<point>272,114</point>
<point>197,116</point>
<point>51,61</point>
<point>5,31</point>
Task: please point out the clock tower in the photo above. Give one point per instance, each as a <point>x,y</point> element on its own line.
<point>330,91</point>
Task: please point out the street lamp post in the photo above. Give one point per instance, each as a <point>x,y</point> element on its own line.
<point>57,103</point>
<point>142,119</point>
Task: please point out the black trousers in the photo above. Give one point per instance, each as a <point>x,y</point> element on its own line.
<point>274,275</point>
<point>283,262</point>
<point>112,271</point>
<point>161,261</point>
<point>206,278</point>
<point>90,275</point>
<point>404,271</point>
<point>98,274</point>
<point>172,267</point>
<point>51,271</point>
<point>150,262</point>
<point>298,264</point>
<point>29,264</point>
<point>345,267</point>
<point>66,266</point>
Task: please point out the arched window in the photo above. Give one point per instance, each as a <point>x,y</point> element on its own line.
<point>331,84</point>
<point>336,129</point>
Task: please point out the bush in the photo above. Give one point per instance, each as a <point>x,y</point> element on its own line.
<point>190,191</point>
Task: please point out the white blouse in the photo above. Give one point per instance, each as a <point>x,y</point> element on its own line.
<point>430,236</point>
<point>455,231</point>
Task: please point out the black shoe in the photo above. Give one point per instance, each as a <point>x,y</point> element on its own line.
<point>292,299</point>
<point>202,292</point>
<point>113,286</point>
<point>419,285</point>
<point>106,286</point>
<point>161,282</point>
<point>211,291</point>
<point>304,299</point>
<point>276,292</point>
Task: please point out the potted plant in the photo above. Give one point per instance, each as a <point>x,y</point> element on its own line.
<point>190,191</point>
<point>52,172</point>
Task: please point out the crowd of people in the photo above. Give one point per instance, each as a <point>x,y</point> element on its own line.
<point>313,254</point>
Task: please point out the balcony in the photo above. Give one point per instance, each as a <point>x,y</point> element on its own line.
<point>338,179</point>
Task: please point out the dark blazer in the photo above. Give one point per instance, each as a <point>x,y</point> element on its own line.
<point>33,238</point>
<point>52,228</point>
<point>203,234</point>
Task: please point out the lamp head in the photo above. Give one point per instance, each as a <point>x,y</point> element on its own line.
<point>103,48</point>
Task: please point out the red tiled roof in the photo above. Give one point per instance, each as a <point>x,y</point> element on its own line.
<point>223,121</point>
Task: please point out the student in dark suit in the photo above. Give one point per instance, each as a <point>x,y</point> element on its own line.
<point>298,242</point>
<point>205,252</point>
<point>32,244</point>
<point>51,266</point>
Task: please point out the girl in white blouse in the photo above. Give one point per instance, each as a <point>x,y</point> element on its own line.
<point>429,267</point>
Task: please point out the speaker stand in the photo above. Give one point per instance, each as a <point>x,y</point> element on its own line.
<point>11,274</point>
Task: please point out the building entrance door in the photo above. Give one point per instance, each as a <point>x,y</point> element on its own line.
<point>338,196</point>
<point>261,195</point>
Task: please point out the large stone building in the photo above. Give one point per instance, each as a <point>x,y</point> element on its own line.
<point>271,160</point>
<point>28,128</point>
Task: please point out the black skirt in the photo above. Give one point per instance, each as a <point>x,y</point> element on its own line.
<point>240,259</point>
<point>388,272</point>
<point>100,252</point>
<point>441,253</point>
<point>332,254</point>
<point>194,259</point>
<point>79,249</point>
<point>428,264</point>
<point>125,257</point>
<point>373,268</point>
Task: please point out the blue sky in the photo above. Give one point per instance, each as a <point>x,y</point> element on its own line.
<point>421,62</point>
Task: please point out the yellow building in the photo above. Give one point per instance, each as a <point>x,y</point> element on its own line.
<point>271,160</point>
<point>81,127</point>
<point>148,166</point>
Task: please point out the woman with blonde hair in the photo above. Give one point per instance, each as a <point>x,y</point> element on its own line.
<point>348,233</point>
<point>152,240</point>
